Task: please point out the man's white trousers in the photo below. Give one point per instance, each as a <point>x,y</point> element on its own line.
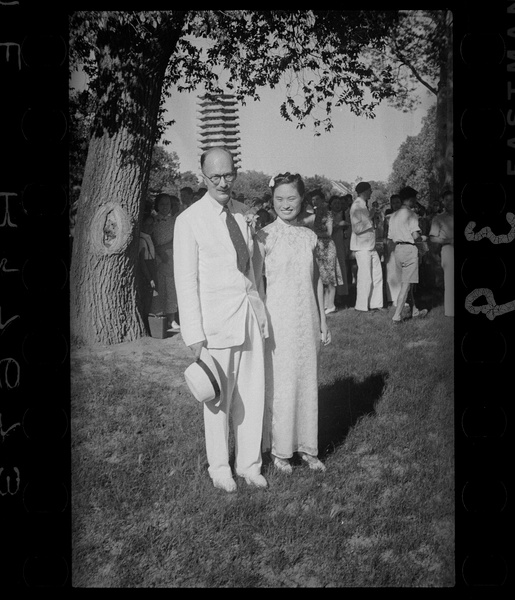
<point>369,284</point>
<point>242,375</point>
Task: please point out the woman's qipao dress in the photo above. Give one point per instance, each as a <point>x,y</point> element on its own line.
<point>288,252</point>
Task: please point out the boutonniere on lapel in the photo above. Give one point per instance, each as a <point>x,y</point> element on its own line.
<point>251,220</point>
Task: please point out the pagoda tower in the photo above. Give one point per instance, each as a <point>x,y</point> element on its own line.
<point>217,124</point>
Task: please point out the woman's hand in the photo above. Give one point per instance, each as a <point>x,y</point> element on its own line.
<point>325,334</point>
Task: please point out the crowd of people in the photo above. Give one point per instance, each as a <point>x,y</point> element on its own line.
<point>357,252</point>
<point>253,287</point>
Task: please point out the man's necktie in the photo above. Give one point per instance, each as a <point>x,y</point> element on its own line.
<point>238,241</point>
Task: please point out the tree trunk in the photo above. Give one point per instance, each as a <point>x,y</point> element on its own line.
<point>104,301</point>
<point>444,170</point>
<point>104,307</point>
<point>449,150</point>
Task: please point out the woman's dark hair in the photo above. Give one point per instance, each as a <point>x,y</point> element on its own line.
<point>421,209</point>
<point>333,198</point>
<point>318,192</point>
<point>175,203</point>
<point>287,177</point>
<point>159,197</point>
<point>264,215</point>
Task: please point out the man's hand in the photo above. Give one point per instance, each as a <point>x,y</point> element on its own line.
<point>197,348</point>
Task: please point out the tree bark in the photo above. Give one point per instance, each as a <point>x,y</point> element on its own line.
<point>105,307</point>
<point>444,170</point>
<point>449,150</point>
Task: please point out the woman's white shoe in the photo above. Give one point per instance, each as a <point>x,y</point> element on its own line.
<point>313,462</point>
<point>282,465</point>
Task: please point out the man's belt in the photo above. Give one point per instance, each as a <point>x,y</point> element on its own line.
<point>409,243</point>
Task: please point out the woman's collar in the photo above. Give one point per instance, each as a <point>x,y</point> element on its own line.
<point>289,223</point>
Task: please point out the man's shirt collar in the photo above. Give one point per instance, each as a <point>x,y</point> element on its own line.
<point>217,206</point>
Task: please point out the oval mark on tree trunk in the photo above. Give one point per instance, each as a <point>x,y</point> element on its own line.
<point>110,228</point>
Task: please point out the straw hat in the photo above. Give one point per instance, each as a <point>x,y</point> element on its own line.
<point>202,378</point>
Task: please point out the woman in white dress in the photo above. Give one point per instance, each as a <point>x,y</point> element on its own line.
<point>297,324</point>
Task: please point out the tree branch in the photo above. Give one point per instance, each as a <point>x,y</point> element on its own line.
<point>419,78</point>
<point>404,61</point>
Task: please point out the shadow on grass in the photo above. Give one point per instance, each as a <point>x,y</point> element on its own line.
<point>340,406</point>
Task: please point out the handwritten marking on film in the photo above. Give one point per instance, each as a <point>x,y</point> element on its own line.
<point>8,379</point>
<point>8,482</point>
<point>8,322</point>
<point>491,309</point>
<point>3,264</point>
<point>7,218</point>
<point>488,233</point>
<point>7,50</point>
<point>8,430</point>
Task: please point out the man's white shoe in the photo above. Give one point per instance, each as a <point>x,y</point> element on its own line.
<point>227,483</point>
<point>256,480</point>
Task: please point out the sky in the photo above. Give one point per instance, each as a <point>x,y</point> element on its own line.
<point>356,147</point>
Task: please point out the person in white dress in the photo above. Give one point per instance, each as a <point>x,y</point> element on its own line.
<point>296,324</point>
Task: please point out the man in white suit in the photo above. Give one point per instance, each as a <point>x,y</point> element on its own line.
<point>369,284</point>
<point>221,309</point>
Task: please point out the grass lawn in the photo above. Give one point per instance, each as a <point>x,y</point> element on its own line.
<point>145,513</point>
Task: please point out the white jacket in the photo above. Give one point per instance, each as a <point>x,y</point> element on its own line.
<point>213,295</point>
<point>363,236</point>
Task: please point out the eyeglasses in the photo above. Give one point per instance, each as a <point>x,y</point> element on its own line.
<point>228,177</point>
